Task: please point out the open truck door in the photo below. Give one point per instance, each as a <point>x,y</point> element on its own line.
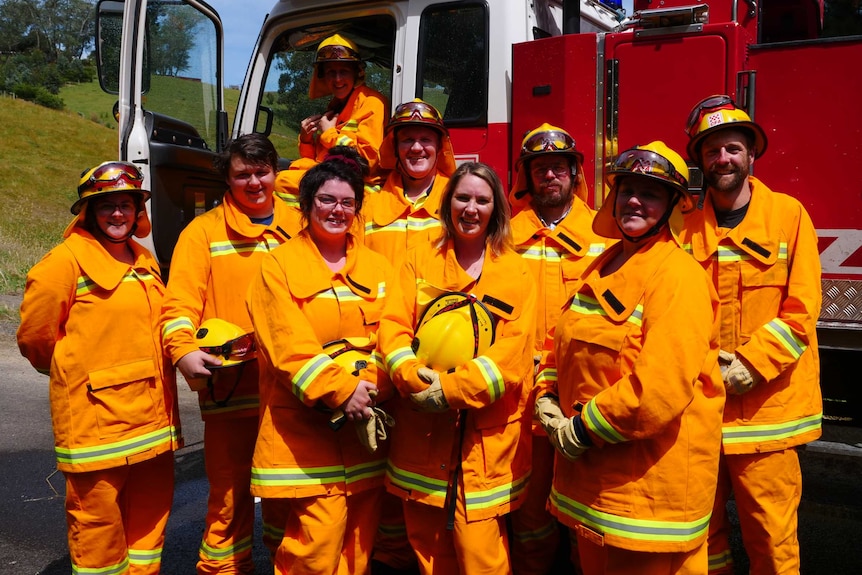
<point>163,59</point>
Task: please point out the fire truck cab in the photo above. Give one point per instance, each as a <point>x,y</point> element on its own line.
<point>498,69</point>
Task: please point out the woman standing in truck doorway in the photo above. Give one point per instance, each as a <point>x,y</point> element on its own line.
<point>354,116</point>
<point>89,318</point>
<point>460,459</point>
<point>630,393</point>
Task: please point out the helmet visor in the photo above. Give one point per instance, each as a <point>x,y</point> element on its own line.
<point>705,106</point>
<point>549,141</point>
<point>416,112</point>
<point>110,174</point>
<point>336,52</point>
<point>636,161</point>
<point>239,349</point>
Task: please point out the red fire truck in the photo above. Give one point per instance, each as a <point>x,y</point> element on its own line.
<point>497,69</point>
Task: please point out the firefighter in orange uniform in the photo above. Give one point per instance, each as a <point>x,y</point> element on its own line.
<point>89,318</point>
<point>418,151</point>
<point>214,260</point>
<point>404,212</point>
<point>760,248</point>
<point>354,116</point>
<point>631,395</point>
<point>332,481</point>
<point>552,231</point>
<point>460,459</point>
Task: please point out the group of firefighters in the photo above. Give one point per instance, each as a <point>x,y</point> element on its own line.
<point>418,371</point>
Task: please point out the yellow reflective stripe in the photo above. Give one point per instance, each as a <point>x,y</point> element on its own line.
<point>496,496</point>
<point>720,560</point>
<point>343,140</point>
<point>377,360</point>
<point>120,568</point>
<point>597,423</point>
<point>492,375</point>
<point>586,305</point>
<point>542,252</point>
<point>416,482</point>
<point>539,534</point>
<point>176,325</point>
<point>224,553</point>
<point>228,247</point>
<point>283,477</point>
<point>629,528</point>
<point>397,357</point>
<point>728,253</point>
<point>236,403</point>
<point>308,372</point>
<point>272,533</point>
<point>351,125</point>
<point>84,285</point>
<point>410,224</point>
<point>734,435</point>
<point>596,250</point>
<point>389,531</point>
<point>344,294</point>
<point>547,375</point>
<point>786,337</point>
<point>366,470</point>
<point>145,556</point>
<point>108,451</point>
<point>291,200</point>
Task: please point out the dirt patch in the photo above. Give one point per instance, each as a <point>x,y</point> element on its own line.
<point>9,320</point>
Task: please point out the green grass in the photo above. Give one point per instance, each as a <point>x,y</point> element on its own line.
<point>42,155</point>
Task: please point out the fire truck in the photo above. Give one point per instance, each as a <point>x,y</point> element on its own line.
<point>498,68</point>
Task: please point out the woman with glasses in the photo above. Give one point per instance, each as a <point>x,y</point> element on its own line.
<point>322,287</point>
<point>630,394</point>
<point>89,319</point>
<point>354,116</point>
<point>460,459</point>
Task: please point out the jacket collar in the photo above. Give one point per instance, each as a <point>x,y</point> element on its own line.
<point>391,205</point>
<point>315,276</point>
<point>573,233</point>
<point>98,265</point>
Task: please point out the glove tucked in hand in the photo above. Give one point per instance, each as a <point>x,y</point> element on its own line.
<point>548,412</point>
<point>565,439</point>
<point>725,358</point>
<point>371,431</point>
<point>430,399</point>
<point>738,378</point>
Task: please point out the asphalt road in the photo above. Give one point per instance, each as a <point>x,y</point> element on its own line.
<point>32,523</point>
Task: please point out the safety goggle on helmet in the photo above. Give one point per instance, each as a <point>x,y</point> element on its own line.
<point>716,113</point>
<point>548,139</point>
<point>226,341</point>
<point>417,113</point>
<point>109,178</point>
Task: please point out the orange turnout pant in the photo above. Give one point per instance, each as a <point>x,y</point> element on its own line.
<point>116,517</point>
<point>606,560</point>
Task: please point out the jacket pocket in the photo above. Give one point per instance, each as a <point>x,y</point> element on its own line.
<point>763,288</point>
<point>123,397</point>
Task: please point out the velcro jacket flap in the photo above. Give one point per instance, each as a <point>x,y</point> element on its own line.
<point>120,374</point>
<point>503,306</point>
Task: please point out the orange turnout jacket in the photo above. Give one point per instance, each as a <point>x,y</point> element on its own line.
<point>360,124</point>
<point>393,224</point>
<point>295,314</point>
<point>767,273</point>
<point>485,448</point>
<point>635,353</point>
<point>214,261</point>
<point>92,323</point>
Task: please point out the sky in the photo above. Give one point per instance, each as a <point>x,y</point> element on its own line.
<point>241,20</point>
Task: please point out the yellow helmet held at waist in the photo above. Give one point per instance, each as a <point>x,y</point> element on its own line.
<point>454,328</point>
<point>227,341</point>
<point>351,353</point>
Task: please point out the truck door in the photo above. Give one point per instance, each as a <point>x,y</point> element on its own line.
<point>163,59</point>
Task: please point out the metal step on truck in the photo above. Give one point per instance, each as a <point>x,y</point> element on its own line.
<point>498,68</point>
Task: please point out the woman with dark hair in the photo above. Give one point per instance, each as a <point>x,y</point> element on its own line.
<point>462,462</point>
<point>90,319</point>
<point>322,287</point>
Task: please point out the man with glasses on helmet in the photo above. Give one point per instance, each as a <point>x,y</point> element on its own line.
<point>760,248</point>
<point>215,259</point>
<point>552,231</point>
<point>419,154</point>
<point>354,116</point>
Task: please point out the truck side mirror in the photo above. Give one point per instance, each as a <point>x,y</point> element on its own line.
<point>109,37</point>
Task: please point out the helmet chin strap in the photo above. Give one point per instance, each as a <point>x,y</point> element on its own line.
<point>653,230</point>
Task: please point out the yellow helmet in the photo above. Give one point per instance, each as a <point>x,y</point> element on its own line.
<point>227,341</point>
<point>417,113</point>
<point>454,328</point>
<point>111,178</point>
<point>351,353</point>
<point>655,161</point>
<point>335,48</point>
<point>544,140</point>
<point>717,113</point>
